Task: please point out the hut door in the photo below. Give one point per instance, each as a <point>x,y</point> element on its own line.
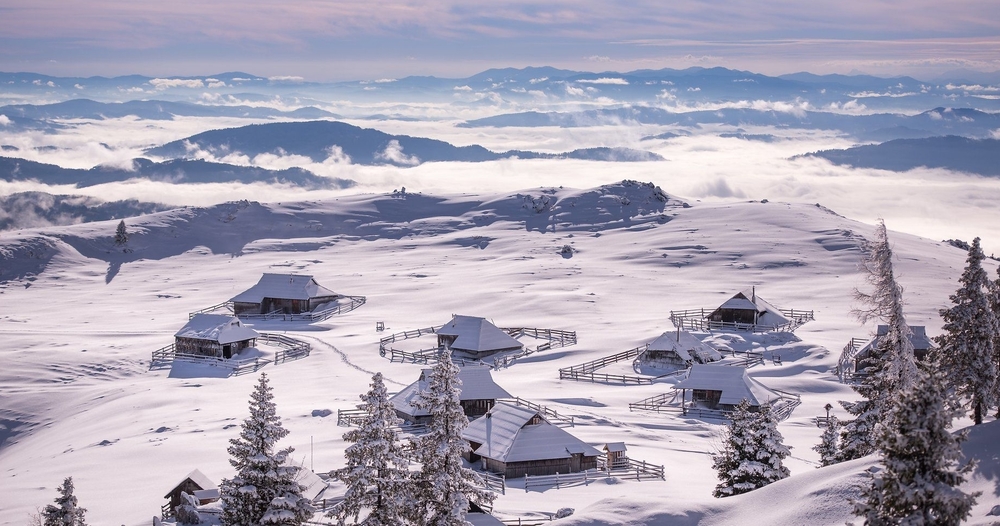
<point>575,462</point>
<point>227,351</point>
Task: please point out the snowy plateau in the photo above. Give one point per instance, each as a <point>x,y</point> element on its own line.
<point>79,318</point>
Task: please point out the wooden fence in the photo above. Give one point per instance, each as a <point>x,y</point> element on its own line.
<point>353,302</point>
<point>846,363</point>
<point>355,417</point>
<point>559,480</point>
<point>548,413</point>
<point>627,467</point>
<point>291,348</point>
<point>659,403</point>
<point>165,356</point>
<point>556,338</point>
<point>697,320</point>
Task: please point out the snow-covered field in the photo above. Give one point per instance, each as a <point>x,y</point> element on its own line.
<point>79,318</point>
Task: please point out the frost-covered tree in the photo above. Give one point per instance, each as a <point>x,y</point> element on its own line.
<point>187,511</point>
<point>891,366</point>
<point>444,486</point>
<point>920,479</point>
<point>995,307</point>
<point>65,511</point>
<point>828,448</point>
<point>288,507</point>
<point>262,474</point>
<point>121,235</point>
<point>377,472</point>
<point>752,452</point>
<point>966,354</point>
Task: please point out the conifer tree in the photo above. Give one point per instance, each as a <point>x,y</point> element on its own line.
<point>967,354</point>
<point>752,452</point>
<point>828,449</point>
<point>121,235</point>
<point>377,471</point>
<point>921,477</point>
<point>65,511</point>
<point>262,475</point>
<point>288,507</point>
<point>994,296</point>
<point>891,365</point>
<point>445,486</point>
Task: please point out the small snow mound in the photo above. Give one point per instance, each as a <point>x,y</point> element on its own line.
<point>322,413</point>
<point>562,513</point>
<point>995,510</point>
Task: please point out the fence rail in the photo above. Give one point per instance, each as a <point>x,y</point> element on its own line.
<point>556,338</point>
<point>167,355</point>
<point>659,403</point>
<point>224,305</point>
<point>550,414</point>
<point>292,349</point>
<point>495,482</point>
<point>628,466</point>
<point>559,480</point>
<point>697,320</point>
<point>845,365</point>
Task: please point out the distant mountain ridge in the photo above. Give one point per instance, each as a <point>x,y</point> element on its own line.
<point>151,109</point>
<point>318,140</point>
<point>178,171</point>
<point>960,154</point>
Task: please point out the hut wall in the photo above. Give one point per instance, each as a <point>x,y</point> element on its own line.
<point>286,306</point>
<point>538,467</point>
<point>707,398</point>
<point>188,486</point>
<point>246,308</point>
<point>198,347</point>
<point>734,316</point>
<point>319,300</point>
<point>477,408</point>
<point>661,359</point>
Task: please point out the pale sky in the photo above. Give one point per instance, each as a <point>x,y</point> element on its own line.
<point>326,40</point>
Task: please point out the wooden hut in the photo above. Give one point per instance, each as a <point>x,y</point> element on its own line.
<point>214,335</point>
<point>678,349</point>
<point>922,344</point>
<point>195,484</point>
<point>475,337</point>
<point>722,387</point>
<point>518,441</point>
<point>478,394</point>
<point>747,310</point>
<point>614,454</point>
<point>284,294</point>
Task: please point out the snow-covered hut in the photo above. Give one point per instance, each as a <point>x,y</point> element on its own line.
<point>678,349</point>
<point>615,454</point>
<point>214,335</point>
<point>518,441</point>
<point>922,344</point>
<point>722,387</point>
<point>195,484</point>
<point>478,394</point>
<point>747,309</point>
<point>284,293</point>
<point>475,336</point>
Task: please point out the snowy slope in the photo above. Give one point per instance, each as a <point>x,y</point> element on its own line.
<point>79,317</point>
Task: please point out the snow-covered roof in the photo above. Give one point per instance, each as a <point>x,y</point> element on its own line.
<point>198,478</point>
<point>918,338</point>
<point>206,494</point>
<point>615,447</point>
<point>688,346</point>
<point>283,286</point>
<point>506,435</point>
<point>767,314</point>
<point>313,484</point>
<point>731,380</point>
<point>217,328</point>
<point>475,334</point>
<point>476,384</point>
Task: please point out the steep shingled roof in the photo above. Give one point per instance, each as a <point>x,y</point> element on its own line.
<point>283,286</point>
<point>475,334</point>
<point>506,435</point>
<point>219,328</point>
<point>731,380</point>
<point>476,384</point>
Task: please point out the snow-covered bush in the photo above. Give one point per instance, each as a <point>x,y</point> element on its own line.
<point>187,514</point>
<point>562,513</point>
<point>752,452</point>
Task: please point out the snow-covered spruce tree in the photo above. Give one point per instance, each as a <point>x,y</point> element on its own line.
<point>828,449</point>
<point>920,479</point>
<point>444,487</point>
<point>288,507</point>
<point>891,365</point>
<point>966,355</point>
<point>995,307</point>
<point>65,511</point>
<point>377,472</point>
<point>752,452</point>
<point>121,235</point>
<point>262,475</point>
